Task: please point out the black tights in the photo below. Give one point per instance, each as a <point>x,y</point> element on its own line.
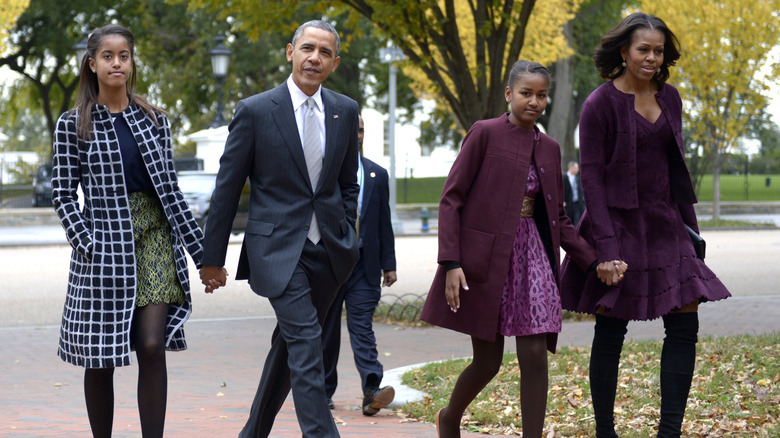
<point>608,337</point>
<point>148,337</point>
<point>532,359</point>
<point>678,358</point>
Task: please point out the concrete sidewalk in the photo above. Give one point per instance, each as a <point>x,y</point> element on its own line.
<point>212,384</point>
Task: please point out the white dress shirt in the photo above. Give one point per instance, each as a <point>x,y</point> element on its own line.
<point>360,177</point>
<point>299,106</point>
<point>573,183</point>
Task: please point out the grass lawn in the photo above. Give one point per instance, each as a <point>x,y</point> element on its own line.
<point>741,188</point>
<point>419,190</point>
<point>732,223</point>
<point>732,188</point>
<point>735,392</point>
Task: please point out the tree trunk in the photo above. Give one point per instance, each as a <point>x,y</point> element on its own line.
<point>716,162</point>
<point>562,121</point>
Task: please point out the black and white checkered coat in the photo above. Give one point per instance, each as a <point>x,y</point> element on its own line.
<point>100,301</point>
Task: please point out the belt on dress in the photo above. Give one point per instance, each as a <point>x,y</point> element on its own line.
<point>528,207</point>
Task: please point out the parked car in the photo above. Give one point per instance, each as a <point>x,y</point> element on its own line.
<point>41,196</point>
<point>197,187</point>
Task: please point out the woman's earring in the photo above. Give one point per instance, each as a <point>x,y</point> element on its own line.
<point>623,63</point>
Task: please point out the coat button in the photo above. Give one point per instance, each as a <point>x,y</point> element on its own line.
<point>549,196</point>
<point>541,169</point>
<point>554,223</point>
<point>306,228</point>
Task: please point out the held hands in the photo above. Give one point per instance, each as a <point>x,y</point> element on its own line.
<point>611,272</point>
<point>455,280</point>
<point>213,277</point>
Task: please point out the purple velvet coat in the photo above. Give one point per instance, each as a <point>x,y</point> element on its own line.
<point>608,161</point>
<point>478,215</point>
<point>609,169</point>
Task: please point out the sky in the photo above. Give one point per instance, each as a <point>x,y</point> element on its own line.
<point>774,89</point>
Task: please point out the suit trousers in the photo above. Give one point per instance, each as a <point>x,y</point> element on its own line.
<point>574,210</point>
<point>295,358</point>
<point>361,299</point>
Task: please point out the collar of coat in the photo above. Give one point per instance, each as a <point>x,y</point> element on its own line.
<point>132,114</point>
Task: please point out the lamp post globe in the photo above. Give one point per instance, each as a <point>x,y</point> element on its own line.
<point>220,58</point>
<point>81,48</point>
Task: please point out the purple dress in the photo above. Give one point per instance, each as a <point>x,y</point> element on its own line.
<point>663,271</point>
<point>530,303</point>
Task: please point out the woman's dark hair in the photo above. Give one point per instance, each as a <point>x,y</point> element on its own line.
<point>607,56</point>
<point>523,67</point>
<point>88,82</point>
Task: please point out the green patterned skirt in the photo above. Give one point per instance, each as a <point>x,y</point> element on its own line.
<point>156,269</point>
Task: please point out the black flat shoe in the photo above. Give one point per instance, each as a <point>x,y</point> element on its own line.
<point>376,399</point>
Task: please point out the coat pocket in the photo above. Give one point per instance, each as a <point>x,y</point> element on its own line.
<point>260,228</point>
<point>344,227</point>
<point>476,250</point>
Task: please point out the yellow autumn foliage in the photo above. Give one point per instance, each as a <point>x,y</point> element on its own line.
<point>9,12</point>
<point>725,69</point>
<point>544,40</point>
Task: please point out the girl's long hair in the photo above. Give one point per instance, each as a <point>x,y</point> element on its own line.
<point>89,86</point>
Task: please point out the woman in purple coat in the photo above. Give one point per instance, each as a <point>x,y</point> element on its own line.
<point>501,225</point>
<point>638,200</point>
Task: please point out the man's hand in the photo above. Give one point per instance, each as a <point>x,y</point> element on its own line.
<point>213,277</point>
<point>388,278</point>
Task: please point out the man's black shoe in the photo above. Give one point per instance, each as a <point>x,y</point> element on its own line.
<point>330,404</point>
<point>376,399</point>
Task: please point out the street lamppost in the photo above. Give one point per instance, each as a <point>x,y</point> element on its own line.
<point>81,48</point>
<point>220,58</point>
<point>391,55</point>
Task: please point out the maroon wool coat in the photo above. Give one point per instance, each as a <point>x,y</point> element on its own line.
<point>478,216</point>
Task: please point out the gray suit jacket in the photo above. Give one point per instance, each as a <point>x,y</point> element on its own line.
<point>264,145</point>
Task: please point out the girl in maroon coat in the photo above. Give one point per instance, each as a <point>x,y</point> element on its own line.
<point>638,199</point>
<point>501,225</point>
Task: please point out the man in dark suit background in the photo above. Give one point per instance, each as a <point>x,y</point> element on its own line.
<point>361,293</point>
<point>297,143</point>
<point>572,193</point>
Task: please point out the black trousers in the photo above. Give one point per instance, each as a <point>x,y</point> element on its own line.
<point>295,358</point>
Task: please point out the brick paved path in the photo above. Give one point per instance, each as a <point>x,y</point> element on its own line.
<point>212,384</point>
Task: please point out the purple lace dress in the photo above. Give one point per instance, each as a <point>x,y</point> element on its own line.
<point>663,271</point>
<point>530,303</point>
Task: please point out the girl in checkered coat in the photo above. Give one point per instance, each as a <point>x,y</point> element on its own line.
<point>128,286</point>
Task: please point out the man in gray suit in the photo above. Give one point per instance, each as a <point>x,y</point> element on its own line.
<point>297,143</point>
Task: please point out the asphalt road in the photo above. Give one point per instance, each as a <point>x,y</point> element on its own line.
<point>33,279</point>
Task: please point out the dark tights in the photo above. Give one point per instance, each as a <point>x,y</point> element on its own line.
<point>532,359</point>
<point>678,358</point>
<point>604,360</point>
<point>99,393</point>
<point>148,337</point>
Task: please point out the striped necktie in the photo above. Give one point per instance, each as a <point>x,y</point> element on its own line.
<point>312,151</point>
